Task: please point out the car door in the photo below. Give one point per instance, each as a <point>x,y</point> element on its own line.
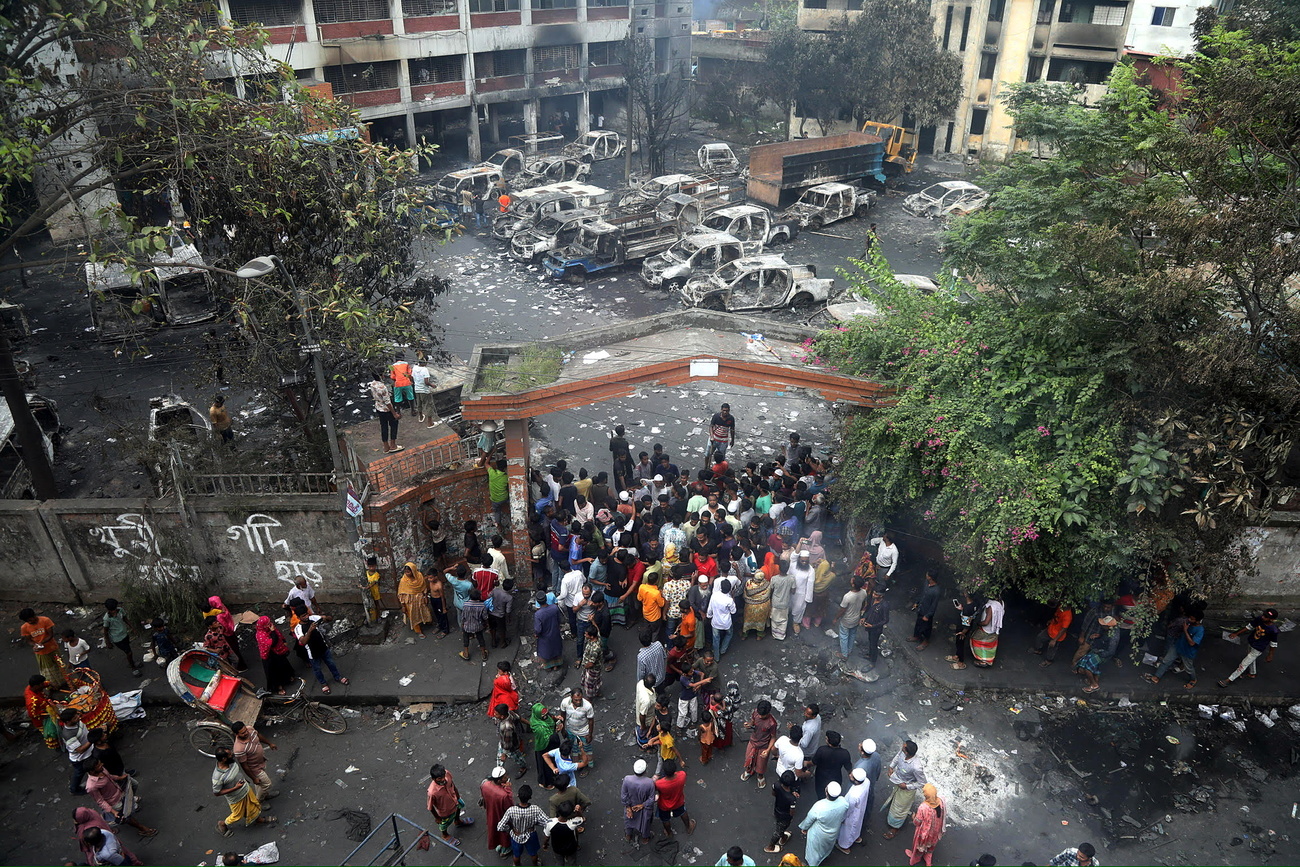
<point>775,287</point>
<point>745,292</point>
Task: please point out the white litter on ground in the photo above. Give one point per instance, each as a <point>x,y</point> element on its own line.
<point>979,789</point>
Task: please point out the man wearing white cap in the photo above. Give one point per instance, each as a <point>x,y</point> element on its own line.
<point>870,762</point>
<point>857,795</point>
<point>822,825</point>
<point>637,803</point>
<point>802,571</point>
<point>496,797</point>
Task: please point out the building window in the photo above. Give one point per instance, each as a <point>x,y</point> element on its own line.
<point>814,4</point>
<point>1035,71</point>
<point>947,30</point>
<point>554,4</point>
<point>988,63</point>
<point>978,117</point>
<point>358,77</point>
<point>592,3</point>
<point>270,13</point>
<point>855,5</point>
<point>331,11</point>
<point>555,57</point>
<point>1079,71</point>
<point>495,64</point>
<point>1045,8</point>
<point>436,70</point>
<point>417,8</point>
<point>493,5</point>
<point>997,8</point>
<point>965,29</point>
<point>1163,16</point>
<point>1110,14</point>
<point>603,53</point>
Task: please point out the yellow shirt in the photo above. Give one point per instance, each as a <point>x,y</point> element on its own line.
<point>667,747</point>
<point>652,602</point>
<point>372,582</point>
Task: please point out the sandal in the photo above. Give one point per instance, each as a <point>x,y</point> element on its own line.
<point>225,830</point>
<point>464,654</point>
<point>325,689</point>
<point>1223,684</point>
<point>951,658</point>
<point>891,833</point>
<point>1150,678</point>
<point>958,666</point>
<point>265,820</point>
<point>1091,688</point>
<point>343,681</point>
<point>1189,684</point>
<point>148,832</point>
<point>1044,663</point>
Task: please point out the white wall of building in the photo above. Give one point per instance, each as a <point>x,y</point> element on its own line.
<point>1162,27</point>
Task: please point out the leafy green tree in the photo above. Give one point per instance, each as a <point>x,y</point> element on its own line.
<point>1114,394</point>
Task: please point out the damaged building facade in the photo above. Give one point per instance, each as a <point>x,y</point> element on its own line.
<point>1004,42</point>
<point>459,73</point>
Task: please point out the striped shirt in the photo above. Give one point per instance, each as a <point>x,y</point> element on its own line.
<point>522,822</point>
<point>652,660</point>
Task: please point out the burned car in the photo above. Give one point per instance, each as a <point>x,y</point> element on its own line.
<point>945,199</point>
<point>758,283</point>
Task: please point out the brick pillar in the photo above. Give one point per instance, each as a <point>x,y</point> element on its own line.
<point>517,449</point>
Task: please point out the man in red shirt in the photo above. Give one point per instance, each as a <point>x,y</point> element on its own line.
<point>722,433</point>
<point>485,577</point>
<point>445,804</point>
<point>762,726</point>
<point>670,794</point>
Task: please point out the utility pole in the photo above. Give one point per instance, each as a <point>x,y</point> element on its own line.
<point>30,439</point>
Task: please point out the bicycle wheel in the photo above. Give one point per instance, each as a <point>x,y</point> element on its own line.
<point>207,738</point>
<point>325,718</point>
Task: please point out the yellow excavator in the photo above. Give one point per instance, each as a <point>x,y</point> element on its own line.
<point>900,146</point>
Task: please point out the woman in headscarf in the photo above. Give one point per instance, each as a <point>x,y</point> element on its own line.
<point>274,651</point>
<point>227,623</point>
<point>823,577</point>
<point>822,825</point>
<point>593,662</point>
<point>106,847</point>
<point>214,639</point>
<point>543,727</point>
<point>413,596</point>
<point>928,820</point>
<point>782,585</point>
<point>758,605</point>
<point>816,551</point>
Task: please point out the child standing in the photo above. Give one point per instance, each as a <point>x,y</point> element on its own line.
<point>160,640</point>
<point>78,649</point>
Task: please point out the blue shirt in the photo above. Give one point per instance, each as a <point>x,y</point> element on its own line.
<point>1197,633</point>
<point>745,861</point>
<point>461,588</point>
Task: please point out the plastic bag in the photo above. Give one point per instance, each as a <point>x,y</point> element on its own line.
<point>127,705</point>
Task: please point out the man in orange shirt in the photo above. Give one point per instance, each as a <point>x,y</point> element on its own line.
<point>1050,638</point>
<point>38,630</point>
<point>652,607</point>
<point>403,384</point>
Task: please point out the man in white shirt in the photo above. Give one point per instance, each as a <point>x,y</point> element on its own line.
<point>422,379</point>
<point>578,714</point>
<point>302,592</point>
<point>850,612</point>
<point>499,562</point>
<point>721,608</point>
<point>886,556</point>
<point>789,755</point>
<point>570,593</point>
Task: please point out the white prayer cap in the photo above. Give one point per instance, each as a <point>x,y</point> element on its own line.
<point>624,496</point>
<point>497,773</point>
<point>833,790</point>
<point>638,767</point>
<point>859,775</point>
<point>658,478</point>
<point>868,746</point>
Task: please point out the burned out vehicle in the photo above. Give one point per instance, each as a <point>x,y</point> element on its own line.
<point>752,225</point>
<point>828,203</point>
<point>758,283</point>
<point>551,233</point>
<point>529,206</point>
<point>597,145</point>
<point>618,240</point>
<point>946,199</point>
<point>15,478</point>
<point>650,193</point>
<point>552,169</point>
<point>717,158</point>
<point>480,181</point>
<point>697,253</point>
<point>176,290</point>
<point>855,304</point>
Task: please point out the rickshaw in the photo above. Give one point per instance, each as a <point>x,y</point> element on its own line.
<point>211,685</point>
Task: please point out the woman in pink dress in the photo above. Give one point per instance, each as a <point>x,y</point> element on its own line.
<point>929,826</point>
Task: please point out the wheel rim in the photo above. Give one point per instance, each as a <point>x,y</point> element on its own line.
<point>325,718</point>
<point>207,739</point>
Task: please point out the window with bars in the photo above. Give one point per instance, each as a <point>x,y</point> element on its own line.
<point>603,53</point>
<point>435,70</point>
<point>555,57</point>
<point>358,77</point>
<point>1109,13</point>
<point>591,3</point>
<point>272,13</point>
<point>206,13</point>
<point>493,5</point>
<point>416,8</point>
<point>494,64</point>
<point>554,4</point>
<point>331,11</point>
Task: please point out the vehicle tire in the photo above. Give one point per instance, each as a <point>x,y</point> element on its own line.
<point>801,303</point>
<point>814,224</point>
<point>863,210</point>
<point>325,718</point>
<point>778,239</point>
<point>207,738</point>
<point>673,286</point>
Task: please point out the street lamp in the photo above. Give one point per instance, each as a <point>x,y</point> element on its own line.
<point>263,266</point>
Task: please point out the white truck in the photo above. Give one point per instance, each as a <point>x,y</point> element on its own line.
<point>550,233</point>
<point>699,252</point>
<point>529,206</point>
<point>597,145</point>
<point>828,203</point>
<point>757,283</point>
<point>752,225</point>
<point>704,190</point>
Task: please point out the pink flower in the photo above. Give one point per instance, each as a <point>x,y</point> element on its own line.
<point>1043,432</point>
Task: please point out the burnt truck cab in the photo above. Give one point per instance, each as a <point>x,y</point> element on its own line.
<point>480,181</point>
<point>718,158</point>
<point>699,253</point>
<point>15,478</point>
<point>529,206</point>
<point>126,303</point>
<point>597,145</point>
<point>551,233</point>
<point>757,283</point>
<point>752,225</point>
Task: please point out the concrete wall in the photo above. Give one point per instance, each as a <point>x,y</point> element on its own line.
<point>1276,548</point>
<point>79,550</point>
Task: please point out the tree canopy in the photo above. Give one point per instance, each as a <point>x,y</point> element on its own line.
<point>1112,391</point>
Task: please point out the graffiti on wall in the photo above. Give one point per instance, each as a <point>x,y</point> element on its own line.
<point>133,537</point>
<point>259,532</point>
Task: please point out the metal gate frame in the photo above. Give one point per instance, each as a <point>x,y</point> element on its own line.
<point>394,844</point>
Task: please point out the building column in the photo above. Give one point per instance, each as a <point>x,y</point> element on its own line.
<point>517,450</point>
<point>494,122</point>
<point>530,116</point>
<point>475,141</point>
<point>584,113</point>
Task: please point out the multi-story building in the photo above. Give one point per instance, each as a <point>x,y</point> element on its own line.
<point>1005,42</point>
<point>463,72</point>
